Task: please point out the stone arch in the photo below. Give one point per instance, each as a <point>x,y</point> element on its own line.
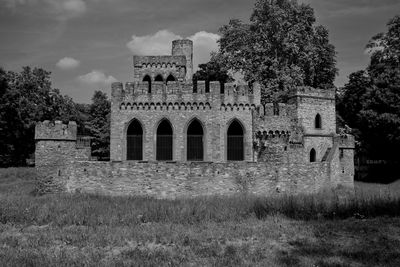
<point>170,78</point>
<point>313,155</point>
<point>134,140</point>
<point>164,140</point>
<point>318,121</point>
<point>235,141</point>
<point>147,79</point>
<point>159,78</point>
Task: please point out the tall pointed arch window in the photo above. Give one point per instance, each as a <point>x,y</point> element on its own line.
<point>148,79</point>
<point>135,141</point>
<point>195,141</point>
<point>235,140</point>
<point>164,141</point>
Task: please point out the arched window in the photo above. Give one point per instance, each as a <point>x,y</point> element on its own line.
<point>318,124</point>
<point>170,78</point>
<point>164,141</point>
<point>235,142</point>
<point>313,155</point>
<point>159,78</point>
<point>195,133</point>
<point>135,141</point>
<point>148,79</point>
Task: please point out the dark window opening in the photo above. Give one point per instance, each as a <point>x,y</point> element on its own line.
<point>276,109</point>
<point>222,88</point>
<point>170,78</point>
<point>318,124</point>
<point>159,78</point>
<point>148,79</point>
<point>195,86</point>
<point>164,141</point>
<point>195,150</point>
<point>235,142</point>
<point>207,86</point>
<point>135,141</point>
<point>313,155</point>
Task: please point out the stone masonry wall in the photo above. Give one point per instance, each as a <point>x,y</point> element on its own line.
<point>167,180</point>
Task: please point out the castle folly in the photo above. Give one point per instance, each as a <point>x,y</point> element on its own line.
<point>172,138</point>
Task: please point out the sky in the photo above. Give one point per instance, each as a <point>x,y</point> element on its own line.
<point>88,44</point>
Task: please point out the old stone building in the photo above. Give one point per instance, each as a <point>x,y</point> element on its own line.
<point>173,138</point>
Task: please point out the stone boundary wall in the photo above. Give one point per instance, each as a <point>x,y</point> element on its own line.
<point>176,180</point>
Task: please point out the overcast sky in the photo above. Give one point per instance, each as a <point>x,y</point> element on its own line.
<point>87,44</point>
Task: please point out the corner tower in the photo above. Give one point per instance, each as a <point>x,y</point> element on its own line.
<point>184,48</point>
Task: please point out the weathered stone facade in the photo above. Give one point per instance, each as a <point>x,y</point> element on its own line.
<point>240,145</point>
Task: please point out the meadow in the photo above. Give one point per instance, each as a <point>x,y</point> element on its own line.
<point>242,230</point>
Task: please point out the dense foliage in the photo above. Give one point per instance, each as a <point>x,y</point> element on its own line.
<point>214,70</point>
<point>281,47</point>
<point>370,102</point>
<point>98,125</point>
<point>27,97</point>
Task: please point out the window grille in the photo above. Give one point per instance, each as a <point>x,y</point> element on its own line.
<point>164,147</point>
<point>235,142</point>
<point>195,148</point>
<point>135,147</point>
<point>83,142</point>
<point>134,141</point>
<point>164,141</point>
<point>235,148</point>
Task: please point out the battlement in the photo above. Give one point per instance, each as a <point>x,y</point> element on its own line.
<point>304,91</point>
<point>226,94</point>
<point>47,130</point>
<point>159,61</point>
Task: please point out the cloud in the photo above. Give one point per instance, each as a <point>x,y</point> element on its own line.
<point>160,44</point>
<point>156,44</point>
<point>61,9</point>
<point>203,44</point>
<point>68,63</point>
<point>96,77</point>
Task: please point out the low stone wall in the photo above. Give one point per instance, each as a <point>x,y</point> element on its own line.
<point>172,180</point>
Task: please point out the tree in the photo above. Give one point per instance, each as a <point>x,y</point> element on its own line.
<point>26,98</point>
<point>280,48</point>
<point>214,70</point>
<point>99,125</point>
<point>370,102</point>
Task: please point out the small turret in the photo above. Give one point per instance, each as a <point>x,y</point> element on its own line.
<point>184,48</point>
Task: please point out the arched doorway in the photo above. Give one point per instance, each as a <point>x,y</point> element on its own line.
<point>148,79</point>
<point>164,141</point>
<point>159,78</point>
<point>235,142</point>
<point>134,140</point>
<point>195,142</point>
<point>170,78</point>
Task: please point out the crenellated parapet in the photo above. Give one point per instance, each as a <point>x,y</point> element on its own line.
<point>47,130</point>
<point>310,92</point>
<point>224,97</point>
<point>159,61</point>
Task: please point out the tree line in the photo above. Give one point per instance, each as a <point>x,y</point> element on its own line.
<point>281,46</point>
<point>27,97</point>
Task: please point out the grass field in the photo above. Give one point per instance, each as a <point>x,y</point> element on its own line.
<point>83,230</point>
